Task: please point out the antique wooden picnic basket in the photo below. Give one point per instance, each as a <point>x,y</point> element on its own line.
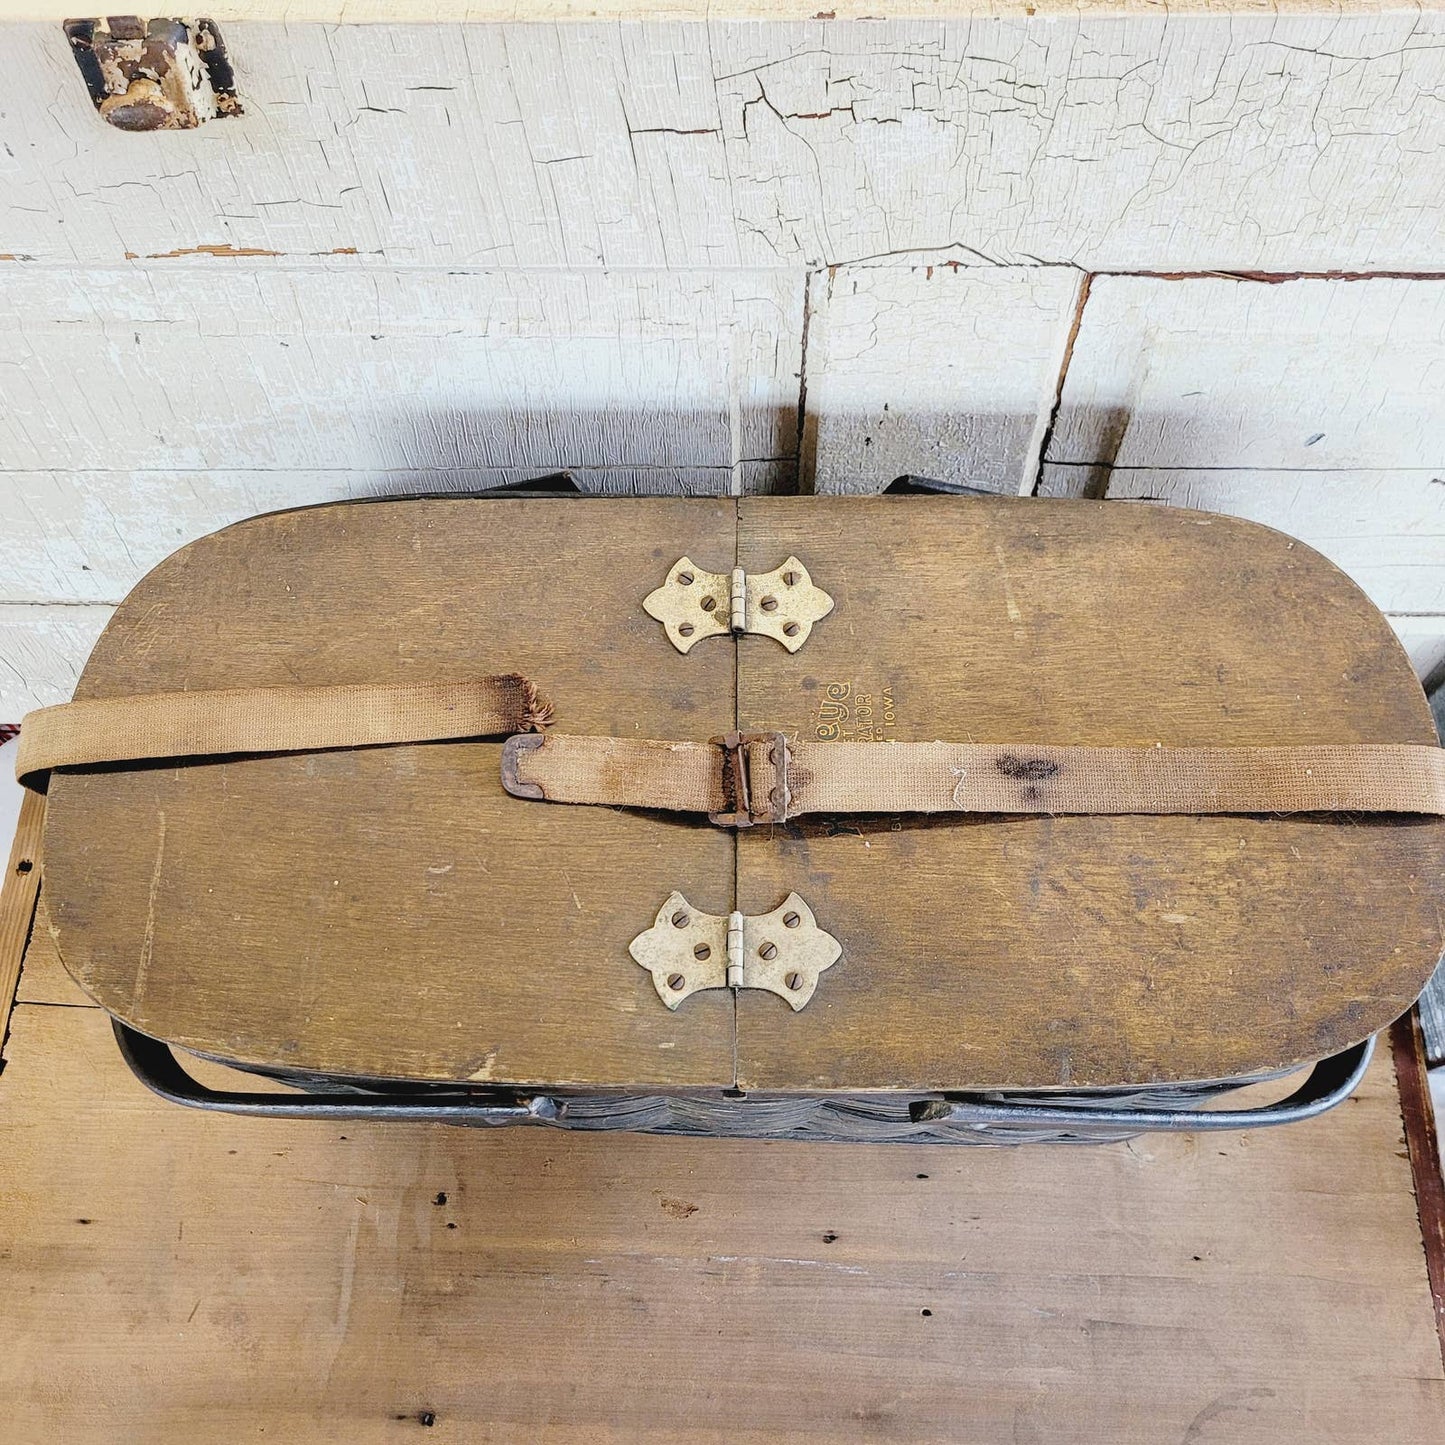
<point>901,818</point>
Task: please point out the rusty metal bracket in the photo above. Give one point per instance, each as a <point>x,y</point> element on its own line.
<point>782,604</point>
<point>754,779</point>
<point>154,74</point>
<point>512,749</point>
<point>782,952</point>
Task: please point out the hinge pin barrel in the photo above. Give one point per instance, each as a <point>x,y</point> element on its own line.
<point>735,950</point>
<point>739,600</point>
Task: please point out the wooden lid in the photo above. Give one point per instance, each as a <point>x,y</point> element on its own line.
<point>391,912</point>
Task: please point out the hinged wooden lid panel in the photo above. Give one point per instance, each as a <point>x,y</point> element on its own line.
<point>391,911</point>
<point>1074,951</point>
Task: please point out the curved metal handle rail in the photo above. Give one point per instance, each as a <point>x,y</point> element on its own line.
<point>153,1063</point>
<point>1330,1082</point>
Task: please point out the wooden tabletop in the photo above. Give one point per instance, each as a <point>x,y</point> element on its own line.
<point>176,1276</point>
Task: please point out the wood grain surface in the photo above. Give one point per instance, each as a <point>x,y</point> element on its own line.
<point>639,379</point>
<point>18,891</point>
<point>1385,528</point>
<point>1422,1138</point>
<point>174,1276</point>
<point>44,978</point>
<point>392,910</point>
<point>1058,952</point>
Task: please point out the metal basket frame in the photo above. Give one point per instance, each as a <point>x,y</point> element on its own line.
<point>994,1117</point>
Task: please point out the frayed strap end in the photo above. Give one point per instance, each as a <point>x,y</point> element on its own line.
<point>537,713</point>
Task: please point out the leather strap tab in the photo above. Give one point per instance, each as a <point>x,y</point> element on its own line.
<point>616,772</point>
<point>1029,778</point>
<point>271,720</point>
<point>943,777</point>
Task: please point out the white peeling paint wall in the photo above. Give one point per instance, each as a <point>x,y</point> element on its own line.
<point>1154,142</point>
<point>724,257</point>
<point>892,352</point>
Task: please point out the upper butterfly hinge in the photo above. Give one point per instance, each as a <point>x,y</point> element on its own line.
<point>693,604</point>
<point>783,952</point>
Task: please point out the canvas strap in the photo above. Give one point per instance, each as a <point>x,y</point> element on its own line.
<point>769,778</point>
<point>271,720</point>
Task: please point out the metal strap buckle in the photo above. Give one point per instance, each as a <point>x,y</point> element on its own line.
<point>754,779</point>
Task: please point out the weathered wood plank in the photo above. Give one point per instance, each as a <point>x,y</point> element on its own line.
<point>686,377</point>
<point>90,536</point>
<point>11,793</point>
<point>176,1276</point>
<point>42,649</point>
<point>1117,142</point>
<point>1046,952</point>
<point>1306,375</point>
<point>417,922</point>
<point>18,892</point>
<point>43,979</point>
<point>1385,528</point>
<point>477,12</point>
<point>938,370</point>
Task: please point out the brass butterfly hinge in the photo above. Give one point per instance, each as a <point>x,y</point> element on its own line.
<point>783,952</point>
<point>693,604</point>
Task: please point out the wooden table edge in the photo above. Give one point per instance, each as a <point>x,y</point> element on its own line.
<point>21,892</point>
<point>18,897</point>
<point>1422,1142</point>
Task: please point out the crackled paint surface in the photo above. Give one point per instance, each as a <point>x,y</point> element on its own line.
<point>728,256</point>
<point>1286,142</point>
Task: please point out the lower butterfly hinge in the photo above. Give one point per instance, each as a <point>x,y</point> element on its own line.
<point>783,952</point>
